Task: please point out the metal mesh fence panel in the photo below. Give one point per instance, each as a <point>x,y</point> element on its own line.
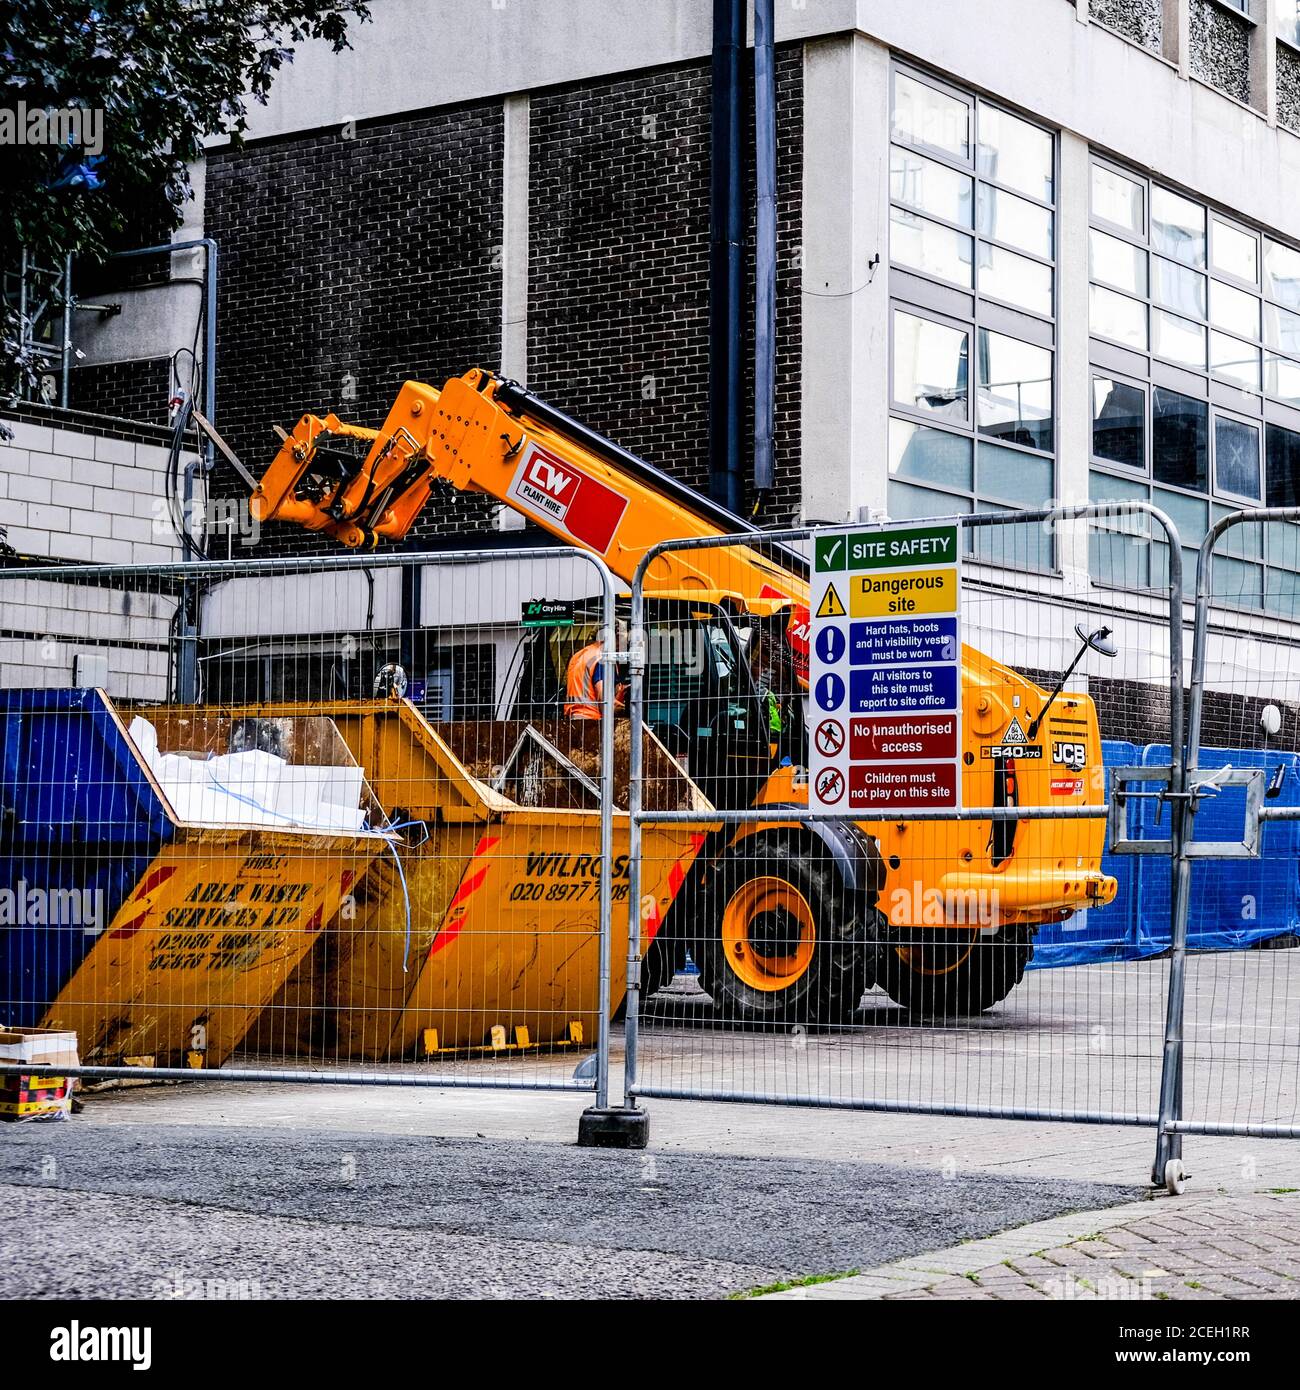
<point>347,819</point>
<point>1241,1021</point>
<point>985,954</point>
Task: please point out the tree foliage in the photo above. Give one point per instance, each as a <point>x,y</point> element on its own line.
<point>165,74</point>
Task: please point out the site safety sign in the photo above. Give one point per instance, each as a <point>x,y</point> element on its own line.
<point>884,716</point>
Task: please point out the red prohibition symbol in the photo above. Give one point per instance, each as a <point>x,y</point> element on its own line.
<point>830,785</point>
<point>830,737</point>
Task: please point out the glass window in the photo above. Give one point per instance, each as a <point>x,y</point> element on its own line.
<point>1014,153</point>
<point>1177,288</point>
<point>930,366</point>
<point>1015,390</point>
<point>1234,360</point>
<point>1004,217</point>
<point>1236,457</point>
<point>1116,316</point>
<point>1179,440</point>
<point>932,187</point>
<point>932,456</point>
<point>1282,329</point>
<point>1234,310</point>
<point>1283,451</point>
<point>1236,252</point>
<point>906,502</point>
<point>1006,276</point>
<point>1118,200</point>
<point>927,246</point>
<point>1119,422</point>
<point>1118,549</point>
<point>1282,379</point>
<point>1022,480</point>
<point>1288,21</point>
<point>1189,514</point>
<point>986,226</point>
<point>1118,263</point>
<point>924,115</point>
<point>1177,340</point>
<point>1282,273</point>
<point>1177,226</point>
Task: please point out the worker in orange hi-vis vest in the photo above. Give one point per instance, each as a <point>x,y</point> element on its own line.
<point>585,684</point>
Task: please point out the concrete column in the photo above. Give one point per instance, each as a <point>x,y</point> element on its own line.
<point>514,244</point>
<point>1177,34</point>
<point>514,259</point>
<point>1263,60</point>
<point>845,322</point>
<point>1074,388</point>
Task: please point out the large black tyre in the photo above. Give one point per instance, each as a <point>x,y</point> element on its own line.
<point>954,973</point>
<point>783,940</point>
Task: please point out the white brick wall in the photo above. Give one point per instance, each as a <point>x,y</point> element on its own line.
<point>62,493</point>
<point>46,624</point>
<point>65,495</point>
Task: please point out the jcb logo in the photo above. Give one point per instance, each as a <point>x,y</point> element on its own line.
<point>1072,755</point>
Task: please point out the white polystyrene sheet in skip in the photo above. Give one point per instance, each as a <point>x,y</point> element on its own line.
<point>253,788</point>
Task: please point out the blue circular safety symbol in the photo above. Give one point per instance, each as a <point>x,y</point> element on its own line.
<point>830,691</point>
<point>830,645</point>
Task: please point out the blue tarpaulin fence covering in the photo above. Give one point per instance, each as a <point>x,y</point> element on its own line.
<point>1234,902</point>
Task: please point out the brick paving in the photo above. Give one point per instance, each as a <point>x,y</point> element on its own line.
<point>1213,1246</point>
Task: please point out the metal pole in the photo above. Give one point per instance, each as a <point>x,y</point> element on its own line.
<point>636,714</point>
<point>22,324</point>
<point>609,668</point>
<point>1169,1144</point>
<point>65,355</point>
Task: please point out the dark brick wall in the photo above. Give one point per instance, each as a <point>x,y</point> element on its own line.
<point>349,266</point>
<point>1140,713</point>
<point>136,390</point>
<point>619,265</point>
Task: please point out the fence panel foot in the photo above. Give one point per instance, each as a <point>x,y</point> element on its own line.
<point>617,1127</point>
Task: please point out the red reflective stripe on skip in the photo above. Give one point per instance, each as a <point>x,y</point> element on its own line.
<point>485,844</point>
<point>451,930</point>
<point>154,880</point>
<point>130,928</point>
<point>466,888</point>
<point>160,875</point>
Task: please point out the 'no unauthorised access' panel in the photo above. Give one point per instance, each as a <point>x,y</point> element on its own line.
<point>885,675</point>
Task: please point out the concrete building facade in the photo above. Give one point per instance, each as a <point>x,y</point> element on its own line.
<point>1043,249</point>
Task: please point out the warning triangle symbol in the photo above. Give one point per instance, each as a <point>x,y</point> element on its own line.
<point>1014,733</point>
<point>830,606</point>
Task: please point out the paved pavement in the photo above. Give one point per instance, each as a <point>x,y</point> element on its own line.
<point>398,1192</point>
<point>137,1210</point>
<point>1189,1249</point>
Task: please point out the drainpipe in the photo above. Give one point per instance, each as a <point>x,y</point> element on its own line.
<point>764,246</point>
<point>726,230</point>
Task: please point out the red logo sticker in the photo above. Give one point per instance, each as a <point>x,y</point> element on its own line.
<point>557,492</point>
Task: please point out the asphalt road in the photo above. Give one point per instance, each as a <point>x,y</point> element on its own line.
<point>146,1210</point>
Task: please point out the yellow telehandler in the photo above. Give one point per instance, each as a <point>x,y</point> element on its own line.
<point>790,920</point>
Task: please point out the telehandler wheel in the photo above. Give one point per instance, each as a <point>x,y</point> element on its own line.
<point>955,971</point>
<point>783,940</point>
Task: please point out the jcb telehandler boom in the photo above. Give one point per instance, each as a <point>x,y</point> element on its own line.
<point>786,919</point>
